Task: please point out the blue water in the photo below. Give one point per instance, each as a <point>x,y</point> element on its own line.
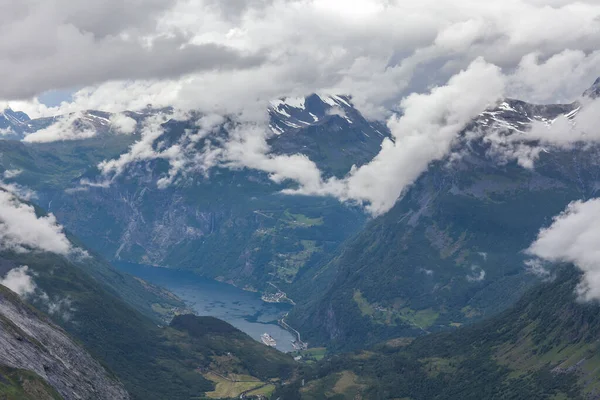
<point>244,310</point>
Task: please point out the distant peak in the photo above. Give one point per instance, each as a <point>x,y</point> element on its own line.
<point>594,90</point>
<point>15,116</point>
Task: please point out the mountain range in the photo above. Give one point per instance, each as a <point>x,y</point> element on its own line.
<point>434,299</point>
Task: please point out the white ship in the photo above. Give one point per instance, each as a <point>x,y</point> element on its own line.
<point>268,340</point>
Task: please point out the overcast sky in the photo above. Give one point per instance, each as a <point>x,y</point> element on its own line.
<point>233,55</point>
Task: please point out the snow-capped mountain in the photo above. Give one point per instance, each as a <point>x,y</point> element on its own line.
<point>517,115</point>
<point>13,124</point>
<point>327,129</point>
<point>296,113</point>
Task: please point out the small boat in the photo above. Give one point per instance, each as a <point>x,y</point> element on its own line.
<point>268,340</point>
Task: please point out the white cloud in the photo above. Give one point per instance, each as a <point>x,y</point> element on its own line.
<point>123,123</point>
<point>12,173</point>
<point>563,133</point>
<point>69,127</point>
<point>573,238</point>
<point>7,131</point>
<point>423,133</point>
<point>540,80</point>
<point>183,157</point>
<point>19,281</point>
<point>477,274</point>
<point>22,230</point>
<point>19,191</point>
<point>62,307</point>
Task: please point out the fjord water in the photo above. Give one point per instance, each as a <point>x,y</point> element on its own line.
<point>207,297</point>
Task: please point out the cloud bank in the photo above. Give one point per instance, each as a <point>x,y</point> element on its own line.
<point>423,133</point>
<point>21,230</point>
<point>573,238</point>
<point>68,127</point>
<point>55,44</point>
<point>234,56</point>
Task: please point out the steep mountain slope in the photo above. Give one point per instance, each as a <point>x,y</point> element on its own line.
<point>544,347</point>
<point>89,300</point>
<point>450,251</point>
<point>30,342</point>
<point>327,129</point>
<point>231,225</point>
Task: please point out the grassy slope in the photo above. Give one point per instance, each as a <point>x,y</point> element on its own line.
<point>545,347</point>
<point>412,269</point>
<point>17,384</point>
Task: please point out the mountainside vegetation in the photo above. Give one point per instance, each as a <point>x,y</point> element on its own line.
<point>544,347</point>
<point>18,384</point>
<point>154,361</point>
<point>230,225</point>
<point>450,252</point>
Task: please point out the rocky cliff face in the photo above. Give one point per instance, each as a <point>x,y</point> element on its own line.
<point>29,341</point>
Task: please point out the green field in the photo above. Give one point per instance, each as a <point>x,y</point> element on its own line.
<point>232,387</point>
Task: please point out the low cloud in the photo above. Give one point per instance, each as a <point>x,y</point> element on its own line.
<point>7,132</point>
<point>20,191</point>
<point>477,274</point>
<point>22,230</point>
<point>56,306</point>
<point>69,127</point>
<point>122,123</point>
<point>564,132</point>
<point>423,133</point>
<point>12,173</point>
<point>19,281</point>
<point>573,238</point>
<point>251,53</point>
<point>183,157</point>
<point>576,128</point>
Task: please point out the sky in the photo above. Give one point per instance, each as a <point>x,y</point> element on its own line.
<point>232,56</point>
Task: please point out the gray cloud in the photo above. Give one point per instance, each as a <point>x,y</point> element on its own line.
<point>376,50</point>
<point>61,44</point>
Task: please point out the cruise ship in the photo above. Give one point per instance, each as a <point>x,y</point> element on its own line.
<point>268,340</point>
